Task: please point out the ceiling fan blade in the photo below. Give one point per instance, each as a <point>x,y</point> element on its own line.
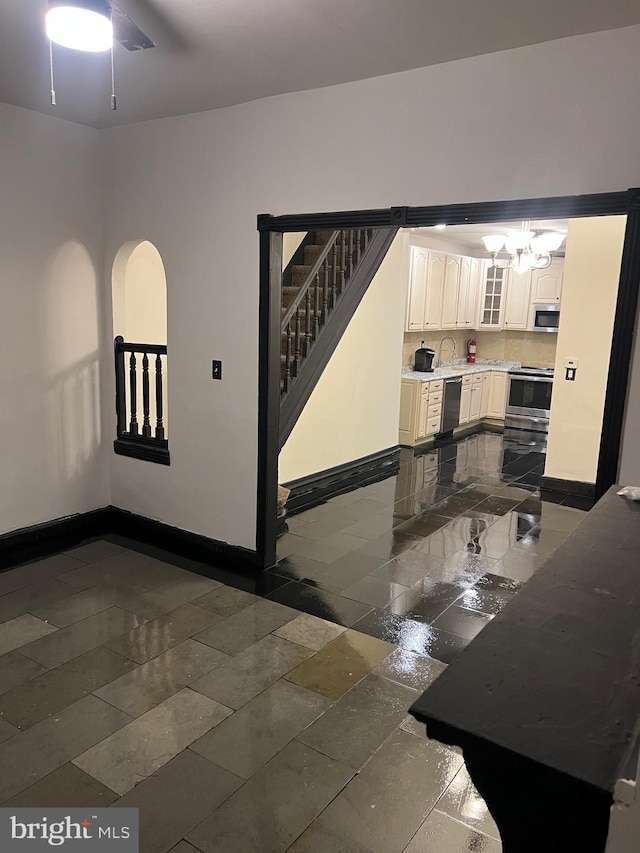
<point>126,32</point>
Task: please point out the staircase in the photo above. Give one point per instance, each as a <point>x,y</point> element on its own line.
<point>322,287</point>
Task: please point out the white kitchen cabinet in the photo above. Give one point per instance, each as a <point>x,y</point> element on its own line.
<point>516,309</point>
<point>468,292</point>
<point>434,291</point>
<point>418,265</point>
<point>420,410</point>
<point>492,294</point>
<point>450,292</point>
<point>497,395</point>
<point>546,285</point>
<point>465,404</point>
<point>484,399</point>
<point>476,400</point>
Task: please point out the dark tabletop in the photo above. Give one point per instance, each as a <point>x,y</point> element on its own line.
<point>556,676</point>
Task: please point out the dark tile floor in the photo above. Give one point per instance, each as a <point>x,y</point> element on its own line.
<point>426,558</point>
<point>231,721</point>
<point>232,716</point>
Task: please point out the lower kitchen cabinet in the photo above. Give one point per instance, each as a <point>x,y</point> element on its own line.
<point>497,402</point>
<point>465,404</point>
<point>476,398</point>
<point>484,400</point>
<point>420,410</point>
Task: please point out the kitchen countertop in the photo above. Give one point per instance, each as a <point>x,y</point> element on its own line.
<point>451,369</point>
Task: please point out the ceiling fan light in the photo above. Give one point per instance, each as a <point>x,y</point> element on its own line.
<point>493,243</point>
<point>80,25</point>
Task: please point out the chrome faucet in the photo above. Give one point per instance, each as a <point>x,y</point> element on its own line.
<point>453,354</point>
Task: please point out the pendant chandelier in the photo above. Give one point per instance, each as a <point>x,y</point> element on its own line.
<point>527,249</point>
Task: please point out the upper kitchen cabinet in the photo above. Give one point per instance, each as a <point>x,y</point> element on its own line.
<point>468,288</point>
<point>450,293</point>
<point>517,301</point>
<point>426,285</point>
<point>492,297</point>
<point>435,288</point>
<point>546,285</point>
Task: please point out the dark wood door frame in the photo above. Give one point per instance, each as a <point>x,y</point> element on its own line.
<point>271,229</point>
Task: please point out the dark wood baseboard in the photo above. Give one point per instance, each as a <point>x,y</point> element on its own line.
<point>317,488</point>
<point>568,487</point>
<point>150,451</point>
<point>42,540</point>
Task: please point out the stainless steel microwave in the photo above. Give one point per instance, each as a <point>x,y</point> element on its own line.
<point>545,318</point>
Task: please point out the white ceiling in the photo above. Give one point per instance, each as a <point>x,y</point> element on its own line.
<point>215,53</point>
<point>468,238</point>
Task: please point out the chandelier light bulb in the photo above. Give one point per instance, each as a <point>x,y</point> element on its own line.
<point>80,26</point>
<point>493,243</point>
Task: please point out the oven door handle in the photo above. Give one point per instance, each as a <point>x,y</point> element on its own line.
<point>520,378</point>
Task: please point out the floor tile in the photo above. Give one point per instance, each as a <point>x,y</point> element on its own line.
<point>68,643</point>
<point>410,669</point>
<point>496,583</point>
<point>340,664</point>
<point>321,839</point>
<point>409,567</point>
<point>144,745</point>
<point>150,684</point>
<point>67,787</point>
<point>485,601</point>
<point>388,545</point>
<point>77,606</point>
<point>32,573</point>
<point>175,799</point>
<point>296,567</point>
<point>360,721</point>
<point>92,552</point>
<point>463,803</point>
<point>258,731</point>
<point>393,628</point>
<point>151,639</point>
<point>441,834</point>
<point>442,645</point>
<point>423,525</point>
<point>22,630</point>
<point>127,567</point>
<point>373,525</point>
<point>464,568</point>
<point>30,598</point>
<point>242,677</point>
<point>428,601</point>
<point>344,572</point>
<point>156,602</point>
<point>310,631</point>
<point>58,688</point>
<point>413,727</point>
<point>245,628</point>
<point>373,590</point>
<point>15,669</point>
<point>323,527</point>
<point>7,730</point>
<point>519,565</point>
<point>32,755</point>
<point>330,548</point>
<point>283,798</point>
<point>384,805</point>
<point>226,601</point>
<point>321,603</point>
<point>465,623</point>
<point>289,544</point>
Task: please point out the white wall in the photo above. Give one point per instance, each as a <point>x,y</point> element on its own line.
<point>353,410</point>
<point>139,294</point>
<point>53,459</point>
<point>589,293</point>
<point>544,120</point>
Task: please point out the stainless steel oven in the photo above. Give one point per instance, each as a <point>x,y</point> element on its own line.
<point>529,400</point>
<point>545,318</point>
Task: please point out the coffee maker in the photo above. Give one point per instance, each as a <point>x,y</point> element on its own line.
<point>423,359</point>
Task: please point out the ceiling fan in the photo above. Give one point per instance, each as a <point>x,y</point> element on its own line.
<point>93,25</point>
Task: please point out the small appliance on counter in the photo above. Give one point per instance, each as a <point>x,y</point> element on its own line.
<point>472,349</point>
<point>423,359</point>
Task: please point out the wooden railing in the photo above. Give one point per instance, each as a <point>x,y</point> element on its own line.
<point>133,380</point>
<point>318,295</point>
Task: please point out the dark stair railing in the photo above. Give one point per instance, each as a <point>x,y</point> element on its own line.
<point>140,441</point>
<point>317,310</point>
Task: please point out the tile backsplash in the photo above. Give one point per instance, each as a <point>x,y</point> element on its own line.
<point>531,348</point>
